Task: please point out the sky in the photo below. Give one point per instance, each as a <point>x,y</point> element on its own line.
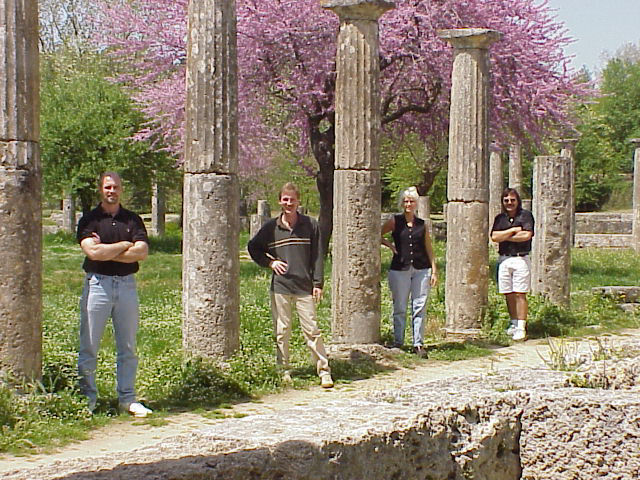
<point>597,26</point>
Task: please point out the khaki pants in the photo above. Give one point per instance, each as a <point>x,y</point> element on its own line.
<point>282,313</point>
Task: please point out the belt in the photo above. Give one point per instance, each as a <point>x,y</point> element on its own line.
<point>521,254</point>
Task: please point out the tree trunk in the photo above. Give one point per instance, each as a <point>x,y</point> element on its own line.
<point>323,147</point>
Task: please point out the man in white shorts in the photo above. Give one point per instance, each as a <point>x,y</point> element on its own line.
<point>513,230</point>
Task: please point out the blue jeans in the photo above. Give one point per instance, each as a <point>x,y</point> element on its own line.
<point>107,296</point>
<point>401,283</point>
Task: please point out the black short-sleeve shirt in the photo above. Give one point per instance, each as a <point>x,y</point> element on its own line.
<point>523,219</point>
<point>125,225</point>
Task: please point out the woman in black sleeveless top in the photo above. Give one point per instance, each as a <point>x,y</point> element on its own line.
<point>413,269</point>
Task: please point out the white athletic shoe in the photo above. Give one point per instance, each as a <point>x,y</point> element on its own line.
<point>520,332</point>
<point>138,410</point>
<point>326,381</point>
<point>512,328</point>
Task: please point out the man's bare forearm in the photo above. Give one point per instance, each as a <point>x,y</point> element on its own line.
<point>135,253</point>
<point>103,252</point>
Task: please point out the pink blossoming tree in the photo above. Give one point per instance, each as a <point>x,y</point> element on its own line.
<point>286,51</point>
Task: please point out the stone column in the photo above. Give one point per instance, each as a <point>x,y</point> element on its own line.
<point>69,213</point>
<point>568,146</point>
<point>636,194</point>
<point>157,208</point>
<point>263,209</point>
<point>466,288</point>
<point>356,214</point>
<point>551,243</point>
<point>424,212</point>
<point>20,197</point>
<point>211,190</point>
<point>515,167</point>
<point>496,183</point>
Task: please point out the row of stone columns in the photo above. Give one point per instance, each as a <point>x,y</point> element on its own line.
<point>211,193</point>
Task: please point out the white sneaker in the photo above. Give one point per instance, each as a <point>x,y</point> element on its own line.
<point>520,332</point>
<point>138,410</point>
<point>326,381</point>
<point>512,328</point>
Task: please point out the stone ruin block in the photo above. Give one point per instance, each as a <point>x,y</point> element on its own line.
<point>508,425</point>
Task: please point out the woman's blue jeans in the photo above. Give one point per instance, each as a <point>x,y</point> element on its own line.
<point>402,283</point>
<point>107,296</point>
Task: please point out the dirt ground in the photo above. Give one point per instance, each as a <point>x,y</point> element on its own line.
<point>131,434</point>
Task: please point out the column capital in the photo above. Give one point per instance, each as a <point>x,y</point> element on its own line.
<point>635,141</point>
<point>358,9</point>
<point>481,38</point>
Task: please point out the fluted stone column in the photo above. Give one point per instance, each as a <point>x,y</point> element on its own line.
<point>568,146</point>
<point>496,183</point>
<point>211,190</point>
<point>158,209</point>
<point>515,167</point>
<point>20,185</point>
<point>69,213</point>
<point>551,255</point>
<point>636,194</point>
<point>356,214</point>
<point>466,286</point>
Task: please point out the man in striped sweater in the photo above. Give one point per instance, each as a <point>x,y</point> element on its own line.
<point>290,245</point>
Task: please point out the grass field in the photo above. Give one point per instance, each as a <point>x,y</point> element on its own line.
<point>51,412</point>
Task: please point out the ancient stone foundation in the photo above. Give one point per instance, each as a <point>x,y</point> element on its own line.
<point>515,424</point>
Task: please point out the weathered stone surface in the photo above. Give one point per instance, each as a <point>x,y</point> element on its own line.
<point>358,9</point>
<point>355,289</point>
<point>19,72</point>
<point>496,184</point>
<point>69,214</point>
<point>604,222</point>
<point>20,177</point>
<point>467,265</point>
<point>356,229</point>
<point>211,143</point>
<point>515,424</point>
<point>424,211</point>
<point>584,240</point>
<point>158,209</point>
<point>211,194</point>
<point>21,272</point>
<point>210,272</point>
<point>552,241</point>
<point>264,210</point>
<point>257,221</point>
<point>515,167</point>
<point>628,294</point>
<point>467,213</point>
<point>468,167</point>
<point>568,146</point>
<point>358,84</point>
<point>636,195</point>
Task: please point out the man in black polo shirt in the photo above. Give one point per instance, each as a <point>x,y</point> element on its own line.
<point>513,230</point>
<point>114,240</point>
<point>290,245</point>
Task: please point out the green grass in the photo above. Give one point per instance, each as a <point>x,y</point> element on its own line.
<point>52,412</point>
